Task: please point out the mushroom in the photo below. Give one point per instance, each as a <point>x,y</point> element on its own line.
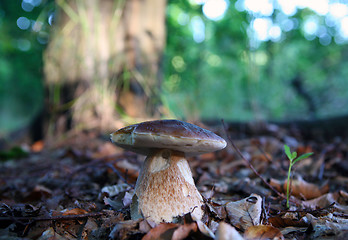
<point>165,188</point>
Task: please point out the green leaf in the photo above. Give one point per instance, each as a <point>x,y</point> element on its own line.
<point>303,156</point>
<point>287,151</point>
<point>294,155</point>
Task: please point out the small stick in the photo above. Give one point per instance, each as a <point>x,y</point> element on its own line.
<point>52,218</point>
<point>309,211</point>
<point>338,214</point>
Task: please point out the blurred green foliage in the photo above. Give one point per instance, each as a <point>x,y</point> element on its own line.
<point>226,77</point>
<point>21,85</point>
<point>224,74</point>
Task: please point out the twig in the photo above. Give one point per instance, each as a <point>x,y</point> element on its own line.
<point>342,215</point>
<point>249,164</point>
<point>308,211</point>
<point>52,218</point>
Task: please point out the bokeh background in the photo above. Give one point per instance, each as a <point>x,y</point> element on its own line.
<point>102,61</point>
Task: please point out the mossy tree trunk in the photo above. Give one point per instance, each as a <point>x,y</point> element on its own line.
<point>103,59</point>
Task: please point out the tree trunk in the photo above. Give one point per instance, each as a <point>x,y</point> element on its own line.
<point>104,56</point>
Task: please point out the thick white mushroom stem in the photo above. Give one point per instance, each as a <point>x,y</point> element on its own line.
<point>165,188</point>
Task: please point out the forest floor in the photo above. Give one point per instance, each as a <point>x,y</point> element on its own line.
<point>81,188</point>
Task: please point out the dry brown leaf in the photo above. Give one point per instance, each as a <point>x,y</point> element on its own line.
<point>184,231</point>
<point>70,228</point>
<point>226,232</point>
<point>304,149</point>
<point>262,232</point>
<point>327,199</point>
<point>162,231</point>
<point>144,226</point>
<point>246,212</point>
<point>74,211</point>
<point>38,193</point>
<point>123,229</point>
<point>300,188</point>
<point>279,221</point>
<point>126,167</point>
<point>111,218</point>
<point>37,146</point>
<point>89,226</point>
<point>177,232</point>
<point>51,234</point>
<point>261,157</point>
<point>215,210</point>
<point>106,149</point>
<point>206,232</point>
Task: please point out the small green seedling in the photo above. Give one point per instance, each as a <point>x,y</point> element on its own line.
<point>293,159</point>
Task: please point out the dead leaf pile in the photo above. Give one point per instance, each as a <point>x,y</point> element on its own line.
<point>82,188</point>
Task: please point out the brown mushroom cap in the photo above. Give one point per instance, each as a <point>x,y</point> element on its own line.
<point>177,135</point>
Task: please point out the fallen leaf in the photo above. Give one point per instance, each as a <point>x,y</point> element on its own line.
<point>111,191</point>
<point>144,226</point>
<point>183,231</point>
<point>128,168</point>
<point>74,211</point>
<point>38,193</point>
<point>123,229</point>
<point>246,212</point>
<point>37,146</point>
<point>51,234</point>
<point>327,225</point>
<point>105,150</point>
<point>115,204</point>
<point>226,232</point>
<point>127,199</point>
<point>215,210</point>
<point>339,198</point>
<point>89,227</point>
<point>262,232</point>
<point>206,232</point>
<point>282,222</point>
<point>111,218</point>
<point>162,231</point>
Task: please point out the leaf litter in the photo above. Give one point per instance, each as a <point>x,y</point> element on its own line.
<point>82,188</point>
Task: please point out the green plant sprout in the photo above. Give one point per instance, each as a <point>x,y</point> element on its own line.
<point>292,156</point>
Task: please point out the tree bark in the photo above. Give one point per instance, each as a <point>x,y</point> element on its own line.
<point>104,56</point>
